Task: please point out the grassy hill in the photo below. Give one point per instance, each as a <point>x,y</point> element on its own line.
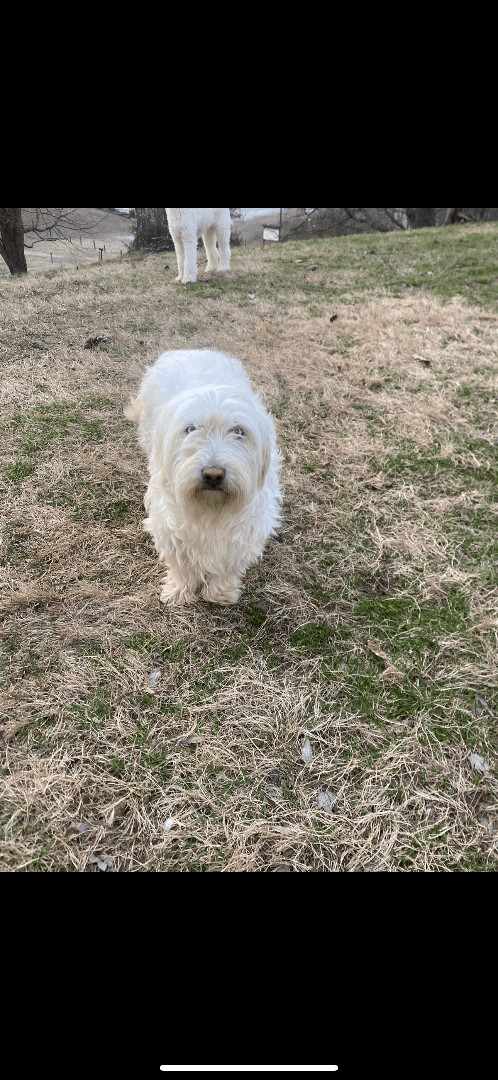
<point>342,716</point>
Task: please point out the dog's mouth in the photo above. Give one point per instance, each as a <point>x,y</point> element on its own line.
<point>212,488</point>
<point>214,495</point>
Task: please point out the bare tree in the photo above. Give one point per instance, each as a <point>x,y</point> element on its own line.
<point>152,229</point>
<point>236,220</point>
<point>421,217</point>
<point>12,239</point>
<point>461,214</point>
<point>22,228</point>
<point>380,218</point>
<point>452,214</point>
<point>341,220</point>
<point>344,220</point>
<point>54,223</point>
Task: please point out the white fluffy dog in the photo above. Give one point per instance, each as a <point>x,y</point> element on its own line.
<point>186,224</point>
<point>213,497</point>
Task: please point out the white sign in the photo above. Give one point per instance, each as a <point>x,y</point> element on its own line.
<point>271,234</point>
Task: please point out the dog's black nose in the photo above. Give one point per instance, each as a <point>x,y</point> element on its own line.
<point>213,477</point>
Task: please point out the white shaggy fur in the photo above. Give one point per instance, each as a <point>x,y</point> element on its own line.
<point>186,224</point>
<point>213,497</point>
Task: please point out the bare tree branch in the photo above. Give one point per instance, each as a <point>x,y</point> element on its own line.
<point>50,224</point>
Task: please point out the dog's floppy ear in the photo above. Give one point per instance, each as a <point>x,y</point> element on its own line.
<point>266,450</point>
<point>133,410</point>
<point>158,443</point>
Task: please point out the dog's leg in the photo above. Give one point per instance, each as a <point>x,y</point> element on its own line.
<point>209,240</point>
<point>190,257</point>
<point>183,585</point>
<point>218,590</point>
<point>178,242</point>
<point>175,591</point>
<point>224,245</point>
<point>178,588</point>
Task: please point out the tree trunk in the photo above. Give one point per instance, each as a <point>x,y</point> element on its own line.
<point>152,229</point>
<point>12,239</point>
<point>421,217</point>
<point>452,214</point>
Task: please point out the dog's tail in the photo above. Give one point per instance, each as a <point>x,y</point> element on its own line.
<point>133,410</point>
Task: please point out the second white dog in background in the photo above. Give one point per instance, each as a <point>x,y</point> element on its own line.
<point>186,224</point>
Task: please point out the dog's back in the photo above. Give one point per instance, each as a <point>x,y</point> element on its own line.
<point>198,218</point>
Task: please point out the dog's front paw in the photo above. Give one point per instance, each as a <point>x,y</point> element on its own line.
<point>175,591</point>
<point>221,592</point>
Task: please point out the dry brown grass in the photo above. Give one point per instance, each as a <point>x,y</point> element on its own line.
<point>325,722</point>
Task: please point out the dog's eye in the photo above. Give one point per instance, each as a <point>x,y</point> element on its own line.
<point>190,428</point>
<point>237,431</point>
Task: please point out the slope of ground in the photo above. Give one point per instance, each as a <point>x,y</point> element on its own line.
<point>342,716</point>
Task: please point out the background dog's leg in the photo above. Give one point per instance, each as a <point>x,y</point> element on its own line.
<point>209,239</point>
<point>224,245</point>
<point>190,258</point>
<point>178,242</point>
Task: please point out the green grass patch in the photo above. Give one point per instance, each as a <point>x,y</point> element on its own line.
<point>471,462</point>
<point>18,471</point>
<point>447,262</point>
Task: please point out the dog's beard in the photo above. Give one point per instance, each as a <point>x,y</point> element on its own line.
<point>212,499</point>
<point>198,497</point>
<point>215,500</point>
